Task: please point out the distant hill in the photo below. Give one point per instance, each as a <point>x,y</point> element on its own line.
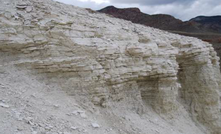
<point>210,23</point>
<point>165,22</point>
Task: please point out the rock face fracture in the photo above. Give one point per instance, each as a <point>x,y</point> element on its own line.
<point>115,66</point>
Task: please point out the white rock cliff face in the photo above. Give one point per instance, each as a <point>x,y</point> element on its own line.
<point>113,63</point>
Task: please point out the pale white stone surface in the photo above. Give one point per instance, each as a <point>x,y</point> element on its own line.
<point>126,73</point>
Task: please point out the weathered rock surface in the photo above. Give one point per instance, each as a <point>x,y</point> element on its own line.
<point>112,63</point>
<point>206,28</point>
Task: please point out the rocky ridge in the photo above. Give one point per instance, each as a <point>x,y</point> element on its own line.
<point>206,28</point>
<point>197,25</point>
<point>107,75</point>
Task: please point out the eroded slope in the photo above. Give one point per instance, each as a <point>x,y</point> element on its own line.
<point>129,77</point>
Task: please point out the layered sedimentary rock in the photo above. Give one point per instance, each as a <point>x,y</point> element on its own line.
<point>107,59</point>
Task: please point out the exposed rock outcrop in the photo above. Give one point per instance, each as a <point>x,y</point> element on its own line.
<point>110,61</point>
<point>202,27</point>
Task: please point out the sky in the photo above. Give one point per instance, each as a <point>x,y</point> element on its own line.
<point>181,9</point>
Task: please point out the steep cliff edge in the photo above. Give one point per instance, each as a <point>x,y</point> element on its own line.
<point>66,70</point>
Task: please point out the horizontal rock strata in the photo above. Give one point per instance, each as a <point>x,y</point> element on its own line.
<point>107,59</point>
